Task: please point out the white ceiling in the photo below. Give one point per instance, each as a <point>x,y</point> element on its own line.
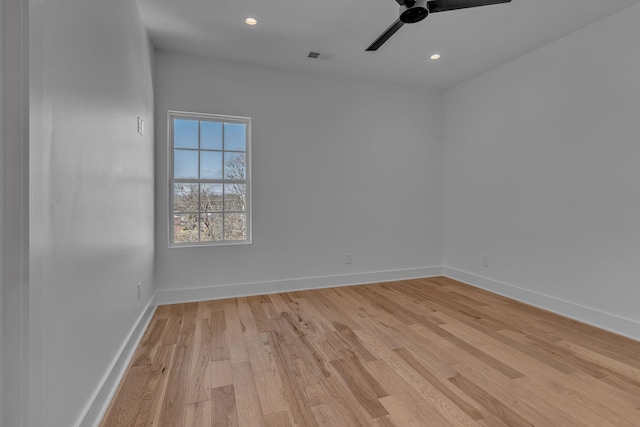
<point>471,41</point>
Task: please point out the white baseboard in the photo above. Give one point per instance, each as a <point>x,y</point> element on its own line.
<point>610,322</point>
<point>175,296</point>
<point>101,398</point>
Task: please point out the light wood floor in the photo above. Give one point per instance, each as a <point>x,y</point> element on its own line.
<point>430,352</point>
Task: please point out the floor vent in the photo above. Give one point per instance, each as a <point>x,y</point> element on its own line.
<point>320,55</point>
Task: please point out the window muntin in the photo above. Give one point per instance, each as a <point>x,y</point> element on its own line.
<point>210,185</point>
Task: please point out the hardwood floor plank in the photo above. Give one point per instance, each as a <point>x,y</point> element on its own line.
<point>200,376</point>
<point>218,323</point>
<point>561,402</point>
<point>392,307</point>
<point>221,373</point>
<point>495,406</point>
<point>327,345</point>
<point>412,361</point>
<point>279,303</point>
<point>514,395</point>
<point>124,407</point>
<point>487,359</point>
<point>413,405</point>
<point>188,326</point>
<point>352,339</point>
<point>247,401</point>
<point>510,338</point>
<point>259,307</point>
<point>278,419</point>
<point>533,368</point>
<point>382,422</point>
<point>204,310</point>
<point>223,403</point>
<point>265,374</point>
<point>617,416</point>
<point>628,370</point>
<point>270,310</point>
<point>328,415</point>
<point>381,330</point>
<point>310,386</point>
<point>363,386</point>
<point>350,410</point>
<point>234,334</point>
<point>298,409</point>
<point>150,341</point>
<point>300,319</point>
<point>590,395</point>
<point>401,413</point>
<point>173,408</point>
<point>162,312</point>
<point>199,414</point>
<point>414,344</point>
<point>247,320</point>
<point>414,304</point>
<point>149,409</point>
<point>322,299</point>
<point>492,421</point>
<point>174,322</point>
<point>424,352</point>
<point>624,384</point>
<point>419,385</point>
<point>220,348</point>
<point>556,352</point>
<point>321,322</point>
<point>298,345</point>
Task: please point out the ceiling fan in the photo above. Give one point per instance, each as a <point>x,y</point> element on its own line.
<point>412,11</point>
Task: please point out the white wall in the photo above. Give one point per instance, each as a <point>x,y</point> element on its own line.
<point>14,224</point>
<point>541,175</point>
<point>1,215</point>
<point>339,165</point>
<point>91,192</point>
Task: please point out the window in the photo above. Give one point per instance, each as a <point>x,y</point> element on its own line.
<point>210,184</point>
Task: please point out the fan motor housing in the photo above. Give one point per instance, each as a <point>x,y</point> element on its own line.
<point>413,11</point>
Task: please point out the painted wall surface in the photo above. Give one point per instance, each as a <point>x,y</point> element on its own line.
<point>339,165</point>
<point>91,188</point>
<point>15,230</point>
<point>541,170</point>
<point>2,323</point>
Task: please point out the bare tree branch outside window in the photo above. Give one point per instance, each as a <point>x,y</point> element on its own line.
<point>211,211</point>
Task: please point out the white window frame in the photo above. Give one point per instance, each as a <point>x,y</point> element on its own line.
<point>170,157</point>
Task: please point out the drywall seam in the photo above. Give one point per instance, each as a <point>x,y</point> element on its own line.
<point>106,390</point>
<point>175,296</point>
<point>610,322</point>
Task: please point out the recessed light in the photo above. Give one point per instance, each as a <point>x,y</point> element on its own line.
<point>435,56</point>
<point>251,21</point>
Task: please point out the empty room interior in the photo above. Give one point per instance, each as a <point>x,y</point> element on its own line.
<point>366,213</point>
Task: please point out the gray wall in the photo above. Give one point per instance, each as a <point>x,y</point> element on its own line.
<point>2,321</point>
<point>541,175</point>
<point>91,190</point>
<point>339,165</point>
<point>14,223</point>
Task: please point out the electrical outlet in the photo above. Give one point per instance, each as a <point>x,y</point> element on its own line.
<point>139,290</point>
<point>347,258</point>
<point>485,261</point>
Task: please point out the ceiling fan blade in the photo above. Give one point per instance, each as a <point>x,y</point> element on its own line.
<point>444,5</point>
<point>385,36</point>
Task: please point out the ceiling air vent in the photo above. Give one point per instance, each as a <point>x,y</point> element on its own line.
<point>320,55</point>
